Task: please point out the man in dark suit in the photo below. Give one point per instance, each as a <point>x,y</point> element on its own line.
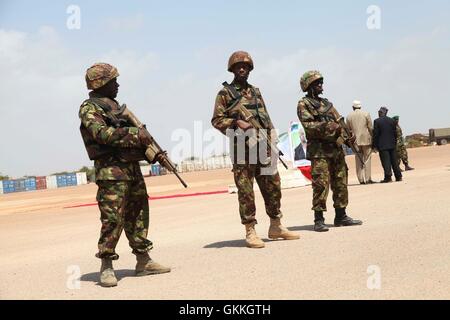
<point>299,153</point>
<point>299,150</point>
<point>385,141</point>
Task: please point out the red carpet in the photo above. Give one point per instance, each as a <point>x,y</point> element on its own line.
<point>160,197</point>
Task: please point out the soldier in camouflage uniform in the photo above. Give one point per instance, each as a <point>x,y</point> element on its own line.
<point>116,148</point>
<point>246,171</point>
<point>402,154</point>
<point>328,166</point>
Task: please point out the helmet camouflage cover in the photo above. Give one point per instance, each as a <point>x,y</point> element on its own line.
<point>308,78</point>
<point>240,56</point>
<point>100,74</point>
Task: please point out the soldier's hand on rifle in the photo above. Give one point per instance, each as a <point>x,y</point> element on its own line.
<point>244,125</point>
<point>144,138</point>
<point>333,126</point>
<point>352,139</point>
<point>161,158</point>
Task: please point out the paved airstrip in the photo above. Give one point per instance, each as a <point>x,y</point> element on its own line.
<point>401,252</point>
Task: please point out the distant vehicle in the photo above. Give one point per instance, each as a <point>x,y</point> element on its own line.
<point>440,136</point>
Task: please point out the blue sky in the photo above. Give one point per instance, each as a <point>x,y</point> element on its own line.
<point>172,57</point>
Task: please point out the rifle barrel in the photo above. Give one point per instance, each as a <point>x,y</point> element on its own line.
<point>179,178</point>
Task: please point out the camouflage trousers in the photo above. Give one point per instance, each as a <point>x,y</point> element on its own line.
<point>123,205</point>
<point>269,185</point>
<point>326,172</point>
<point>402,154</point>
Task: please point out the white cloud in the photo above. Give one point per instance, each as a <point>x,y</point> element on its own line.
<point>43,86</point>
<point>411,78</point>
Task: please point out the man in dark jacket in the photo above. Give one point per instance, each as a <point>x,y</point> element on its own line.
<point>300,153</point>
<point>385,141</point>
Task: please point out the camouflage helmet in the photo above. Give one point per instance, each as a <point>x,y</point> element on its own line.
<point>100,74</point>
<point>308,78</point>
<point>240,56</point>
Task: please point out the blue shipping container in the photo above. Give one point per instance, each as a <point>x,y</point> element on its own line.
<point>156,169</point>
<point>8,186</point>
<point>71,179</point>
<point>61,181</point>
<point>30,184</point>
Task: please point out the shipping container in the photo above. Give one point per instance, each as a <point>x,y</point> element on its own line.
<point>51,182</point>
<point>71,179</point>
<point>30,184</point>
<point>8,186</point>
<point>156,169</point>
<point>19,185</point>
<point>61,180</point>
<point>146,170</point>
<point>81,178</point>
<point>41,183</point>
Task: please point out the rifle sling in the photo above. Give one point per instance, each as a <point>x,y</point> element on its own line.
<point>236,97</point>
<point>108,110</point>
<point>316,106</point>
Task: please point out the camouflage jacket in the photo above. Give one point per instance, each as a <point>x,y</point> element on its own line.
<point>251,99</point>
<point>106,139</point>
<point>400,141</point>
<point>223,120</point>
<point>316,116</point>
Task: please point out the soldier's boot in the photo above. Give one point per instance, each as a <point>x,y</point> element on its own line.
<point>251,238</point>
<point>278,231</point>
<point>319,222</point>
<point>408,168</point>
<point>146,266</point>
<point>107,276</point>
<point>343,220</point>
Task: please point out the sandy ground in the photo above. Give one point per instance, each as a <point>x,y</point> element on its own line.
<point>401,251</point>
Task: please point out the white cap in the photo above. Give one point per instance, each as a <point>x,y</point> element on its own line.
<point>357,104</point>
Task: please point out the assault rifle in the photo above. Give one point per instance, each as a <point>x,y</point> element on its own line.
<point>346,135</point>
<point>153,150</point>
<point>248,117</point>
